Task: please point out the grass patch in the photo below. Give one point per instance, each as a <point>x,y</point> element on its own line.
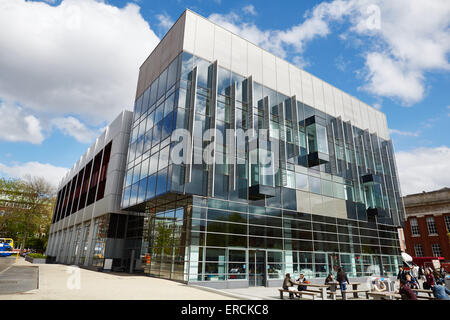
<point>37,255</point>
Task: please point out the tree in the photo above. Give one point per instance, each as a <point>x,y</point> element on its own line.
<point>29,209</point>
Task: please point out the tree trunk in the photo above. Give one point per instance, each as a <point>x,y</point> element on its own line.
<point>22,246</point>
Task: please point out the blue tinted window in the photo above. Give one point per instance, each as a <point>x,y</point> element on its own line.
<point>138,106</point>
<point>187,64</point>
<point>129,177</point>
<point>172,73</point>
<point>239,85</point>
<point>148,141</point>
<point>153,92</point>
<point>126,197</point>
<point>202,72</point>
<point>153,164</point>
<point>150,120</point>
<point>163,158</point>
<point>142,189</point>
<point>169,104</point>
<point>257,93</point>
<point>133,196</point>
<point>167,126</point>
<point>161,183</point>
<point>200,106</point>
<point>151,186</point>
<point>159,113</point>
<point>157,131</point>
<point>145,100</point>
<point>182,103</point>
<point>136,173</point>
<point>223,81</point>
<point>162,83</point>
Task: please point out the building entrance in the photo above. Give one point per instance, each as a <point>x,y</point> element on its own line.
<point>257,268</point>
<point>333,263</point>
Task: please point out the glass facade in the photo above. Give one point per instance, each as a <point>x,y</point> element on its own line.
<point>328,197</point>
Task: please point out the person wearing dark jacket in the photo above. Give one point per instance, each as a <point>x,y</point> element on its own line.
<point>332,282</point>
<point>401,274</point>
<point>412,283</point>
<point>406,292</point>
<point>421,275</point>
<point>288,282</point>
<point>342,279</point>
<point>429,284</point>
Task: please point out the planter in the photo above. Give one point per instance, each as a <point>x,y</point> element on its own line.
<point>35,260</point>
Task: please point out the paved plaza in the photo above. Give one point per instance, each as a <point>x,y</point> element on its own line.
<point>23,280</point>
<point>56,282</point>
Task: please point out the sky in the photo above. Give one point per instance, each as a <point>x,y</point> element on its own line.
<point>68,67</point>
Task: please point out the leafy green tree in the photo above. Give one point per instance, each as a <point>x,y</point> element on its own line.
<point>28,210</point>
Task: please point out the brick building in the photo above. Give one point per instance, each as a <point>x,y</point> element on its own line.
<point>427,228</point>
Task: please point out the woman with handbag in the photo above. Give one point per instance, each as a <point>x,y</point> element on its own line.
<point>429,283</point>
<point>343,281</point>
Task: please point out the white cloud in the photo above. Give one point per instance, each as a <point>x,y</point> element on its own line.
<point>80,57</point>
<point>250,9</point>
<point>404,40</point>
<point>165,21</point>
<point>404,133</point>
<point>73,127</point>
<point>51,173</point>
<point>249,31</point>
<point>423,169</point>
<point>393,79</point>
<point>18,125</point>
<point>401,40</point>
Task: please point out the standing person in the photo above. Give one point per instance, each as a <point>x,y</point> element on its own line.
<point>429,283</point>
<point>401,274</point>
<point>441,292</point>
<point>343,281</point>
<point>442,274</point>
<point>288,282</point>
<point>436,274</point>
<point>415,272</point>
<point>422,274</point>
<point>406,292</point>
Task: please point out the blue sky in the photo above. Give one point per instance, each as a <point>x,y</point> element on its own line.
<point>60,82</point>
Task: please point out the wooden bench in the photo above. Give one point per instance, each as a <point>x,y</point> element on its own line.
<point>384,295</point>
<point>426,297</point>
<point>311,293</point>
<point>423,291</point>
<point>332,294</point>
<point>356,292</point>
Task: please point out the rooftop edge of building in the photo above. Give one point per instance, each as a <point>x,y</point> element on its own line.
<point>124,116</point>
<point>178,31</point>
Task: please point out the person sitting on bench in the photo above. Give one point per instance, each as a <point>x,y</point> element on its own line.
<point>440,292</point>
<point>301,280</point>
<point>406,292</point>
<point>288,282</point>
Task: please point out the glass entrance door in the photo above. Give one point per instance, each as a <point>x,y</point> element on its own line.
<point>334,263</point>
<point>257,268</point>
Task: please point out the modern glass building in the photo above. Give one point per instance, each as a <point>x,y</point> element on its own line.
<point>242,167</point>
<point>88,225</point>
<point>227,217</point>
